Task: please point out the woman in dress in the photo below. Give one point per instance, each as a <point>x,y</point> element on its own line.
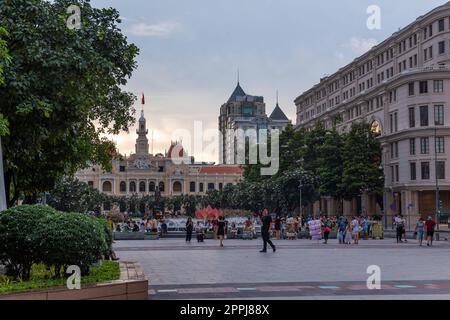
<point>355,229</point>
<point>420,229</point>
<point>221,230</point>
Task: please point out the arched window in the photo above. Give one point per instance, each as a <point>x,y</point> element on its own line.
<point>211,186</point>
<point>161,186</point>
<point>107,186</point>
<point>123,187</point>
<point>151,186</point>
<point>201,187</point>
<point>192,187</point>
<point>142,186</point>
<point>132,186</point>
<point>177,187</point>
<point>220,186</point>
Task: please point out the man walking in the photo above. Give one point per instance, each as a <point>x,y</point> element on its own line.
<point>266,221</point>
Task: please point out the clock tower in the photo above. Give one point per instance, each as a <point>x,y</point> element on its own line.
<point>142,141</point>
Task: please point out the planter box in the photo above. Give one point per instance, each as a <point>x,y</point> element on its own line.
<point>129,236</point>
<point>133,285</point>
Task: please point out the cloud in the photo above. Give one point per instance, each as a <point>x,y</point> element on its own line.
<point>361,45</point>
<point>162,30</point>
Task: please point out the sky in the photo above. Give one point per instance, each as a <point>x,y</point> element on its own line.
<point>190,51</point>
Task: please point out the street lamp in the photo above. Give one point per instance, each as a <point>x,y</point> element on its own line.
<point>3,205</point>
<point>300,187</point>
<point>438,209</point>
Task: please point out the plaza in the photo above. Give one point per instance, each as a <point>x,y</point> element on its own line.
<point>301,269</point>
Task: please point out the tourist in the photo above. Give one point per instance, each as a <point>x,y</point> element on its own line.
<point>398,221</point>
<point>365,228</point>
<point>189,229</point>
<point>221,230</point>
<point>266,222</point>
<point>154,225</point>
<point>419,231</point>
<point>326,229</point>
<point>341,227</point>
<point>278,227</point>
<point>430,225</point>
<point>356,230</point>
<point>163,228</point>
<point>348,233</point>
<point>135,227</point>
<point>199,230</point>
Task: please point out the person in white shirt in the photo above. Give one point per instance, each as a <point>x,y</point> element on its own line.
<point>355,230</point>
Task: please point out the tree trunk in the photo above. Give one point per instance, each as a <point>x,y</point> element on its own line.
<point>3,199</point>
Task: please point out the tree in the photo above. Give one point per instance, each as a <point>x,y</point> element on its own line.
<point>361,156</point>
<point>63,90</point>
<point>72,195</point>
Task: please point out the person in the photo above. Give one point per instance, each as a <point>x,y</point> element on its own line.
<point>199,230</point>
<point>341,230</point>
<point>221,230</point>
<point>420,226</point>
<point>398,221</point>
<point>163,228</point>
<point>404,228</point>
<point>430,225</point>
<point>365,228</point>
<point>189,228</point>
<point>348,233</point>
<point>326,229</point>
<point>266,222</point>
<point>278,227</point>
<point>355,229</point>
<point>154,225</point>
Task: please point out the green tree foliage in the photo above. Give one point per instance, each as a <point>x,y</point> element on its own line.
<point>361,155</point>
<point>62,91</point>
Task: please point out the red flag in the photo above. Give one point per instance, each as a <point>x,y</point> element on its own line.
<point>143,99</point>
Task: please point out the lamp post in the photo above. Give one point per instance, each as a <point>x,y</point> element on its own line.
<point>3,205</point>
<point>300,187</point>
<point>438,209</point>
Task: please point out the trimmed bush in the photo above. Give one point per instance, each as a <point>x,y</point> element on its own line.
<point>18,249</point>
<point>40,234</point>
<point>71,239</point>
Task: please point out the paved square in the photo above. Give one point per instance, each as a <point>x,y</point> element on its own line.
<point>299,269</point>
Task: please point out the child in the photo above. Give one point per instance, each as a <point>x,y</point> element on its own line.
<point>348,235</point>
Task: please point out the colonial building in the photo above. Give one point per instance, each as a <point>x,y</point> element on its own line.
<point>174,173</point>
<point>401,87</point>
<point>246,112</point>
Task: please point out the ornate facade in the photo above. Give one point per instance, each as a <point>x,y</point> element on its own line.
<point>174,173</point>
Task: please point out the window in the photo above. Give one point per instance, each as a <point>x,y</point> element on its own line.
<point>411,88</point>
<point>412,117</point>
<point>91,184</point>
<point>440,145</point>
<point>107,186</point>
<point>161,186</point>
<point>424,145</point>
<point>122,168</point>
<point>424,116</point>
<point>438,86</point>
<point>425,166</point>
<point>142,186</point>
<point>211,186</point>
<point>192,186</point>
<point>151,186</point>
<point>412,169</point>
<point>200,187</point>
<point>132,186</point>
<point>397,174</point>
<point>441,24</point>
<point>423,87</point>
<point>442,47</point>
<point>412,146</point>
<point>439,115</point>
<point>440,170</point>
<point>123,187</point>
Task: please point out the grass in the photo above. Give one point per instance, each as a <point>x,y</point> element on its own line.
<point>42,278</point>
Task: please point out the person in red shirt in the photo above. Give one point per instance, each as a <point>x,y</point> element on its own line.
<point>430,225</point>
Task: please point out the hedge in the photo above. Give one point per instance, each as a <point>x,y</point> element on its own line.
<point>40,234</point>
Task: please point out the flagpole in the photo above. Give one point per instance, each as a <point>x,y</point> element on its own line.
<point>3,204</point>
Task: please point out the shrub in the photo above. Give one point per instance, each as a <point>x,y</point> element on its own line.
<point>71,239</point>
<point>18,248</point>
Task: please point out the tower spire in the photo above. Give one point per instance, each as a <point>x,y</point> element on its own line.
<point>277,96</point>
<point>238,76</point>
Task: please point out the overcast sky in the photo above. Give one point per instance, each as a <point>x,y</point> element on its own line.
<point>191,50</point>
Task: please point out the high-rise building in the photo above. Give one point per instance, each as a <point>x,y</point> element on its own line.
<point>246,112</point>
<point>402,88</point>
